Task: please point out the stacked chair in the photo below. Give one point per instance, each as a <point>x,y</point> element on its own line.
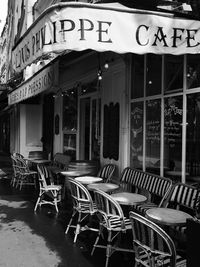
<point>22,174</point>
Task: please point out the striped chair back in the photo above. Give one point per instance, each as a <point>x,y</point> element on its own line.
<point>106,172</point>
<point>152,245</point>
<point>109,210</point>
<point>134,179</point>
<point>81,196</point>
<point>184,197</point>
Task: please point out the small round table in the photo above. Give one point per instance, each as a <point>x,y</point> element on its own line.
<point>106,187</point>
<point>167,216</point>
<point>86,180</point>
<point>129,199</point>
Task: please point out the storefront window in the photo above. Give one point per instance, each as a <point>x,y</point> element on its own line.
<point>70,122</point>
<point>153,124</point>
<point>153,74</point>
<point>193,137</point>
<point>173,73</point>
<point>137,89</point>
<point>136,135</point>
<point>193,71</point>
<point>173,112</point>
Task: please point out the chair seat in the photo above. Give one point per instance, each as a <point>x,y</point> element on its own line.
<point>52,187</point>
<point>86,208</point>
<point>115,223</point>
<point>163,261</point>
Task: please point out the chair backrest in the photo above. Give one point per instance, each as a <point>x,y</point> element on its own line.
<point>43,175</point>
<point>184,197</point>
<point>61,160</point>
<point>133,179</point>
<point>80,194</point>
<point>15,165</point>
<point>106,172</point>
<point>149,240</point>
<point>18,155</point>
<point>108,207</point>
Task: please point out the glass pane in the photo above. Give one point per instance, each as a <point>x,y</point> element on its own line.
<point>95,149</point>
<point>153,73</point>
<point>173,73</point>
<point>193,71</point>
<point>173,113</point>
<point>153,122</point>
<point>70,110</point>
<point>193,138</point>
<point>136,148</point>
<point>69,144</point>
<point>137,89</point>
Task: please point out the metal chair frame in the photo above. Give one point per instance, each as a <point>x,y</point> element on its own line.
<point>152,245</point>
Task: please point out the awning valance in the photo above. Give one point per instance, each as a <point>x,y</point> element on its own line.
<point>40,82</point>
<point>80,26</point>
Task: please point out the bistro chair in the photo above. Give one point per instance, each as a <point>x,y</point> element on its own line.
<point>48,193</point>
<point>111,219</point>
<point>83,206</point>
<point>16,171</point>
<point>106,172</point>
<point>26,176</point>
<point>152,245</point>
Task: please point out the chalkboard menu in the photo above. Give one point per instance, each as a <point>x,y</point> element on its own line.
<point>136,134</point>
<point>153,126</point>
<point>173,112</point>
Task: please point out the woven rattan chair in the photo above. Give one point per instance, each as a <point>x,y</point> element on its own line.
<point>51,191</point>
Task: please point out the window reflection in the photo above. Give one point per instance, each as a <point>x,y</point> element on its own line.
<point>153,74</point>
<point>193,137</point>
<point>193,71</point>
<point>137,89</point>
<point>173,73</point>
<point>173,113</point>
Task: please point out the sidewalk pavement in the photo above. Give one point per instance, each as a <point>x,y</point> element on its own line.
<point>38,239</point>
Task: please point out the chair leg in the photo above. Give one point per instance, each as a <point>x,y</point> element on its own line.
<point>78,227</point>
<point>70,222</point>
<point>108,248</point>
<point>97,239</point>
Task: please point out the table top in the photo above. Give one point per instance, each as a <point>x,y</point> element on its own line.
<point>176,173</point>
<point>126,198</point>
<point>167,216</point>
<point>88,179</point>
<point>73,173</point>
<point>106,187</point>
<point>40,161</point>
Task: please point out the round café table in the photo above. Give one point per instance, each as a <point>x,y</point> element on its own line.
<point>86,180</point>
<point>129,199</point>
<point>106,187</point>
<point>167,216</point>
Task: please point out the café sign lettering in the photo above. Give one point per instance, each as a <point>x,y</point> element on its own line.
<point>34,86</point>
<point>79,27</point>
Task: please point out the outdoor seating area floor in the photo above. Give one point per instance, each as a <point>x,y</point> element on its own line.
<point>39,239</point>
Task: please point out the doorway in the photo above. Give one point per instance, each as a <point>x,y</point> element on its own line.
<point>90,121</point>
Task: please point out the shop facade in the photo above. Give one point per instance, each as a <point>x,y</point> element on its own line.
<point>129,99</point>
